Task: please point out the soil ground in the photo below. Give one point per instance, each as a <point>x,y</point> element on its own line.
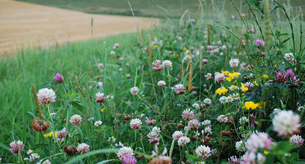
<point>24,25</point>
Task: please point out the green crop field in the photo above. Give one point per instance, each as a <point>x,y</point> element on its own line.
<point>146,7</point>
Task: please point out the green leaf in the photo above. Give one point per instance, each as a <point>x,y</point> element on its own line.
<point>109,160</point>
<point>47,84</point>
<point>90,154</point>
<point>78,105</point>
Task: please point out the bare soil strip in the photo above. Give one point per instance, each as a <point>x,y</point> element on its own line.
<point>25,24</point>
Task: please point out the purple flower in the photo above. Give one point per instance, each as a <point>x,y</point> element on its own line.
<point>129,159</point>
<point>279,77</point>
<point>259,43</point>
<point>251,30</point>
<point>58,78</point>
<point>289,74</point>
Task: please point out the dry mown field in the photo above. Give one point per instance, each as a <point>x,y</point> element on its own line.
<point>24,24</point>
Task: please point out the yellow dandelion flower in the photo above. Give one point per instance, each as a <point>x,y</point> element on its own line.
<point>222,90</point>
<point>155,46</point>
<point>102,110</point>
<point>243,88</point>
<point>50,135</point>
<point>250,105</point>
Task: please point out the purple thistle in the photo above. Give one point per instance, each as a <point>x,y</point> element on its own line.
<point>129,159</point>
<point>58,78</point>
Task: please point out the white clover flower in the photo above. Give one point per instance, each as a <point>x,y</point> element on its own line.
<point>296,139</point>
<point>161,83</point>
<point>183,141</point>
<point>45,96</point>
<point>196,105</point>
<point>240,146</point>
<point>203,152</point>
<point>229,99</point>
<point>287,154</point>
<point>33,157</point>
<point>223,99</point>
<point>29,152</point>
<point>301,108</point>
<point>208,130</point>
<point>207,101</point>
<point>286,123</point>
<point>177,135</point>
<point>134,90</point>
<point>277,111</point>
<point>214,152</point>
<point>125,151</point>
<point>100,65</point>
<point>112,52</point>
<point>167,63</point>
<point>98,123</point>
<point>290,57</point>
<point>156,129</point>
<point>91,119</point>
<point>234,62</point>
<point>83,148</point>
<point>243,120</point>
<point>135,123</point>
<point>206,122</point>
<point>46,162</point>
<point>75,119</point>
<point>257,141</point>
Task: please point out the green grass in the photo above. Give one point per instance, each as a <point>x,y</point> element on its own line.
<point>146,7</point>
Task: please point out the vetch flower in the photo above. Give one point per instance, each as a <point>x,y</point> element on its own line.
<point>45,96</point>
<point>83,148</point>
<point>203,152</point>
<point>16,146</point>
<point>58,78</point>
<point>286,123</point>
<point>75,119</point>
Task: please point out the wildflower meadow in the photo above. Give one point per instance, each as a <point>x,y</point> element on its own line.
<point>203,89</point>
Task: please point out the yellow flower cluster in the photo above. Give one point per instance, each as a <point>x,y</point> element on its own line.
<point>230,76</point>
<point>251,105</point>
<point>222,90</point>
<point>243,88</point>
<point>50,135</point>
<point>102,110</point>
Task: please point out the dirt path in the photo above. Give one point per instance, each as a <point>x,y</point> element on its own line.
<point>24,24</point>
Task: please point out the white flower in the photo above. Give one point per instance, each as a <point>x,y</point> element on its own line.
<point>46,162</point>
<point>296,139</point>
<point>83,148</point>
<point>203,152</point>
<point>234,62</point>
<point>287,154</point>
<point>286,123</point>
<point>290,57</point>
<point>223,99</point>
<point>214,151</point>
<point>161,83</point>
<point>45,96</point>
<point>33,157</point>
<point>100,65</point>
<point>29,152</point>
<point>134,90</point>
<point>257,141</point>
<point>136,123</point>
<point>229,99</point>
<point>183,141</point>
<point>112,139</point>
<point>156,129</point>
<point>91,119</point>
<point>206,122</point>
<point>167,63</point>
<point>112,52</point>
<point>243,120</point>
<point>208,130</point>
<point>98,123</point>
<point>75,119</point>
<point>240,146</point>
<point>207,101</point>
<point>177,135</point>
<point>196,105</point>
<point>125,151</point>
<point>301,108</point>
<point>277,111</point>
